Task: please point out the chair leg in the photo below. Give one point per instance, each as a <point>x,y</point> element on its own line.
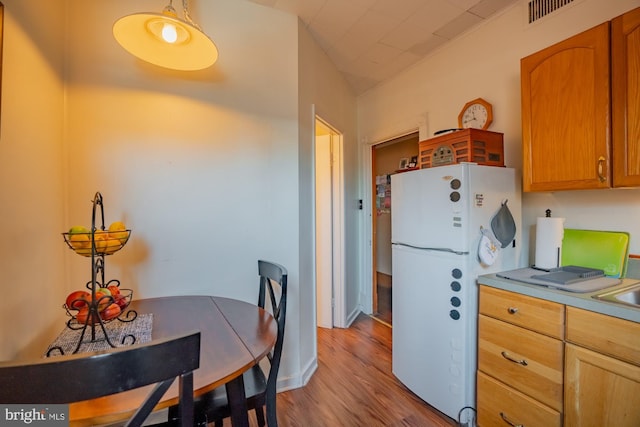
<point>272,419</point>
<point>260,415</point>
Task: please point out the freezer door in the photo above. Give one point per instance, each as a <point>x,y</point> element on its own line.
<point>446,206</point>
<point>434,327</point>
<point>429,208</point>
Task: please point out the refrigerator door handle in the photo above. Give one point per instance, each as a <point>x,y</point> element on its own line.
<point>433,249</point>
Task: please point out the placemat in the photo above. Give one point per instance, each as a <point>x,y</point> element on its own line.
<point>141,328</point>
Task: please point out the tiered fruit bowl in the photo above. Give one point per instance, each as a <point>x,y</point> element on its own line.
<point>109,303</point>
<point>106,242</point>
<point>101,301</point>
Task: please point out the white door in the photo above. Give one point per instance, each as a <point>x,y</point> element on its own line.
<point>329,227</point>
<point>324,241</point>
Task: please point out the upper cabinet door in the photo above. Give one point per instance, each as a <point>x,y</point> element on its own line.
<point>625,66</point>
<point>566,114</point>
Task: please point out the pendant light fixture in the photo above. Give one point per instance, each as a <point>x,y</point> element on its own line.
<point>165,40</point>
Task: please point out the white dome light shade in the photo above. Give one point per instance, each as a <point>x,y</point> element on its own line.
<point>166,41</point>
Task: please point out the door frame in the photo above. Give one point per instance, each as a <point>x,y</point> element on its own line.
<point>338,290</point>
<point>368,244</point>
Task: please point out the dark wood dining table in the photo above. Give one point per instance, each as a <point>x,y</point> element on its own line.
<point>235,335</point>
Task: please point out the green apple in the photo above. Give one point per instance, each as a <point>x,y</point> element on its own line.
<point>78,229</point>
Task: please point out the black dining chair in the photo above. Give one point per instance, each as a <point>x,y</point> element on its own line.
<point>260,388</point>
<point>77,377</point>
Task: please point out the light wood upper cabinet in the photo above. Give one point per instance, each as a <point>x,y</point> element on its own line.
<point>581,110</point>
<point>625,66</point>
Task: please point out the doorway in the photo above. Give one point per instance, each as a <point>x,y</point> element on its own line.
<point>329,226</point>
<point>387,158</point>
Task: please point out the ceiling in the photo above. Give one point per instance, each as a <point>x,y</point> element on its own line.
<point>373,40</point>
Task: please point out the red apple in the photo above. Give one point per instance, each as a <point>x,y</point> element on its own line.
<point>103,298</point>
<point>114,289</point>
<point>112,311</point>
<point>122,301</point>
<point>82,315</point>
<point>77,300</point>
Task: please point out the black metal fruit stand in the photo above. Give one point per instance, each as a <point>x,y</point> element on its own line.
<point>98,301</point>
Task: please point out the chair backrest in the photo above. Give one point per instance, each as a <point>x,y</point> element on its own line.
<point>272,277</point>
<point>77,377</point>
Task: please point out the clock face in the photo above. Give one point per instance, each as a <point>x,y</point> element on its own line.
<point>475,116</point>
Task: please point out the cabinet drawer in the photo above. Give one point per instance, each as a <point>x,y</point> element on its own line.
<point>605,334</point>
<point>536,314</point>
<point>525,360</point>
<point>499,405</point>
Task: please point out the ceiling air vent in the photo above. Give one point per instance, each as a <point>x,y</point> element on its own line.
<point>541,8</point>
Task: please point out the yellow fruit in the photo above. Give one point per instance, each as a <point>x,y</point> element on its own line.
<point>117,230</point>
<point>84,251</point>
<point>80,241</point>
<point>112,245</point>
<point>100,237</point>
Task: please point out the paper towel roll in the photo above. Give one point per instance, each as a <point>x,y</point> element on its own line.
<point>549,234</point>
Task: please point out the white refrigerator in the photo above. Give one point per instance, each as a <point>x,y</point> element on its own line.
<point>438,217</point>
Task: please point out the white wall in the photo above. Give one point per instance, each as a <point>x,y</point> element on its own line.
<point>324,89</point>
<point>485,62</point>
<point>210,169</point>
<point>201,166</point>
<point>31,172</point>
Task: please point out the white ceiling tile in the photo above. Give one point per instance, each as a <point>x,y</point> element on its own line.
<point>360,84</point>
<point>423,48</point>
<point>381,54</point>
<point>419,26</point>
<point>373,25</point>
<point>400,10</point>
<point>338,14</point>
<point>400,63</point>
<point>372,40</point>
<point>269,3</point>
<point>458,25</point>
<point>327,36</point>
<point>464,4</point>
<point>486,8</point>
<point>350,48</point>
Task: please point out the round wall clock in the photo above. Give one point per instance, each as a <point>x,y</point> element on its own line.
<point>477,114</point>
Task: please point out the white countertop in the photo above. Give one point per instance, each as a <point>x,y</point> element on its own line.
<point>580,300</point>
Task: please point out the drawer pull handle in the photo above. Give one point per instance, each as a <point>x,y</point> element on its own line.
<point>506,420</point>
<point>601,175</point>
<point>511,359</point>
<point>512,310</point>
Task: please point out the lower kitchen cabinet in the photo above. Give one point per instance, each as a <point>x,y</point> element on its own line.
<point>525,360</point>
<point>520,360</point>
<point>600,390</point>
<point>545,364</point>
<point>501,405</point>
<point>602,370</point>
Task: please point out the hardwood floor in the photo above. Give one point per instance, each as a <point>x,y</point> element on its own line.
<point>354,386</point>
<point>383,311</point>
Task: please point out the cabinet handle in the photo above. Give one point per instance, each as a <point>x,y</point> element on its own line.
<point>512,310</point>
<point>601,176</point>
<point>506,420</point>
<point>511,359</point>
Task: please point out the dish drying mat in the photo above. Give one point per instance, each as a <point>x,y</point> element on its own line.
<point>141,328</point>
<point>588,285</point>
